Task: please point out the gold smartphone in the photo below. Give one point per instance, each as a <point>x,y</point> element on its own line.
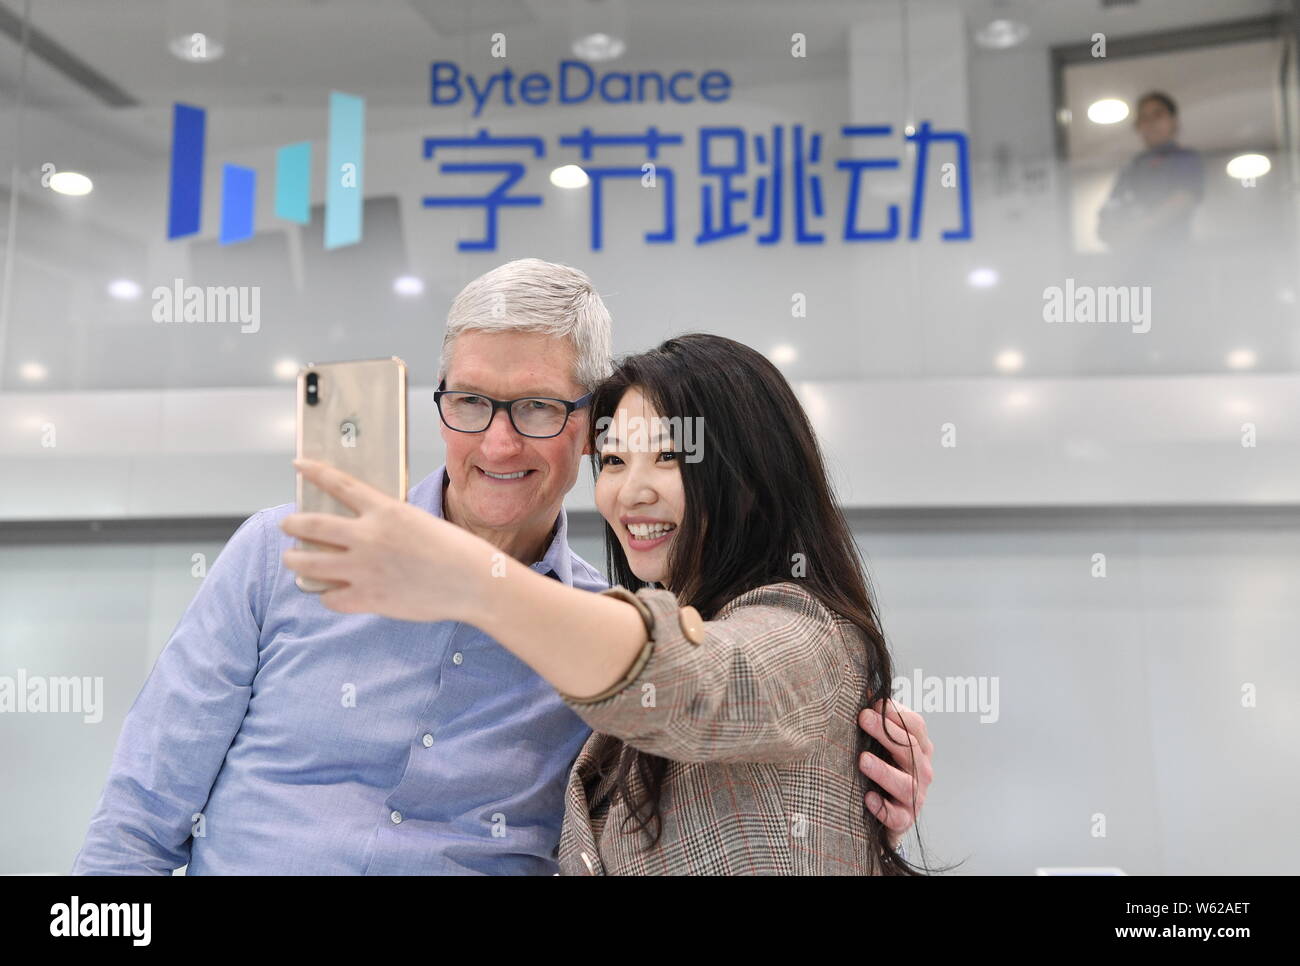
<point>351,415</point>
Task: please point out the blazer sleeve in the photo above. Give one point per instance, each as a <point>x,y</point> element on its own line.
<point>759,685</point>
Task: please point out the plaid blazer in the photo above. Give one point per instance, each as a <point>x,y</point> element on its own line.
<point>757,713</point>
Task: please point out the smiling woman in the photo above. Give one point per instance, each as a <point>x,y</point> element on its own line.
<point>723,533</point>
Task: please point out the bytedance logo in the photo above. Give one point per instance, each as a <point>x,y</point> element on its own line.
<point>343,182</point>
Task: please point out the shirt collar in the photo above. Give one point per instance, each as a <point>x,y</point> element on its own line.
<point>557,562</point>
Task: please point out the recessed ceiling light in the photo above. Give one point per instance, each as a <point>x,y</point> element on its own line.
<point>982,278</point>
<point>287,369</point>
<point>599,46</point>
<point>1245,166</point>
<point>124,288</point>
<point>71,183</point>
<point>569,176</point>
<point>32,372</point>
<point>1108,110</point>
<point>1001,34</point>
<point>408,285</point>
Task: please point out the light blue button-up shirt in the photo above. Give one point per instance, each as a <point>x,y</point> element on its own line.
<point>277,737</point>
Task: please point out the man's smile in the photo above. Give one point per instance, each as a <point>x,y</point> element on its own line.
<point>505,477</point>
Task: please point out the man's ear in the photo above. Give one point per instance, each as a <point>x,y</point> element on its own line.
<point>586,432</point>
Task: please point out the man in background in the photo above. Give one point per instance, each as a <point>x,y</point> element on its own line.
<point>1151,205</point>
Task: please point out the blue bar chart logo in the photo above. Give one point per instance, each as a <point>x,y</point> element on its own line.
<point>345,163</point>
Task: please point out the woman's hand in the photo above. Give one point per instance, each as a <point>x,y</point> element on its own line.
<point>912,750</point>
<point>393,558</point>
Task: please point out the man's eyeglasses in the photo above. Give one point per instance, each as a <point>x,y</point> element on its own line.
<point>537,417</point>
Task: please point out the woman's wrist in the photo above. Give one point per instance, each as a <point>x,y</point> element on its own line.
<point>488,575</point>
<point>581,643</point>
<point>481,571</point>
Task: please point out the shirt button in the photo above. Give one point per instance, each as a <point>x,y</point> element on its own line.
<point>427,741</point>
<point>458,658</point>
<point>396,816</point>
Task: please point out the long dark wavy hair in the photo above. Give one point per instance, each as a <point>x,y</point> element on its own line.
<point>760,488</point>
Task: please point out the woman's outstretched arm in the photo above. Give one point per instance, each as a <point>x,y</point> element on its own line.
<point>402,562</point>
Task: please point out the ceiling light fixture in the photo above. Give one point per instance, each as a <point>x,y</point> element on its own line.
<point>569,176</point>
<point>1108,110</point>
<point>1001,34</point>
<point>71,183</point>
